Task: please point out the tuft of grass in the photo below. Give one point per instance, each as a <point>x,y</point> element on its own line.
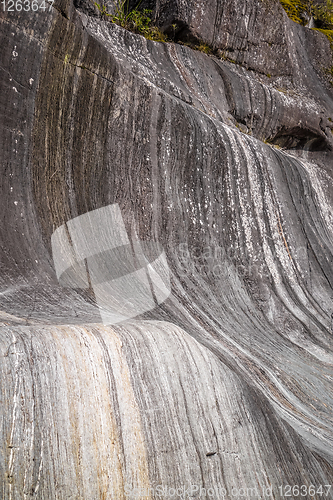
<point>204,47</point>
<point>156,35</point>
<point>102,9</point>
<point>137,21</point>
<point>201,46</point>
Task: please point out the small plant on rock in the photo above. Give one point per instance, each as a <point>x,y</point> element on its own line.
<point>204,47</point>
<point>102,9</point>
<point>121,13</point>
<point>137,21</point>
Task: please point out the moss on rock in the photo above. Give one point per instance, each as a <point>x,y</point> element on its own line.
<point>295,8</point>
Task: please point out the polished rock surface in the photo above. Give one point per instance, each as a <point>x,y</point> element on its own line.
<point>228,382</point>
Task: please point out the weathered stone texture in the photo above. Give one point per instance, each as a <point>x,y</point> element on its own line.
<point>228,383</point>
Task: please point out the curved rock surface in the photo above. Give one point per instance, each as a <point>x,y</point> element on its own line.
<point>226,385</point>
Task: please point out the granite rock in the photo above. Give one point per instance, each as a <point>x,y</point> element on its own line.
<point>228,383</point>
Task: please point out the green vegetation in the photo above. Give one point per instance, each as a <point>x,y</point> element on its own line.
<point>102,9</point>
<point>296,9</point>
<point>323,15</point>
<point>201,46</point>
<point>301,10</point>
<point>140,22</point>
<point>137,21</point>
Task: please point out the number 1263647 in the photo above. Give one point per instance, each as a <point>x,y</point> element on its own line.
<point>26,5</point>
<point>304,490</point>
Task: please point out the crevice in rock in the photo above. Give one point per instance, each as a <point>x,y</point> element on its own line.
<point>87,7</point>
<point>299,138</point>
<point>62,12</point>
<point>180,32</point>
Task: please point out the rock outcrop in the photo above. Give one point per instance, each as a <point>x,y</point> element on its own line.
<point>224,161</point>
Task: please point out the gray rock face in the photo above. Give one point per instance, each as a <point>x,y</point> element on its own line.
<point>256,34</point>
<point>226,386</point>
